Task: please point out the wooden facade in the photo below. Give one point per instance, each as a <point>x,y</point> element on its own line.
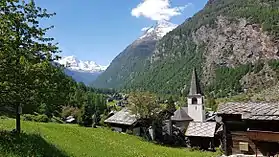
<point>134,129</point>
<point>251,137</point>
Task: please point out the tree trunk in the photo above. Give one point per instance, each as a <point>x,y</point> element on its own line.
<point>17,119</point>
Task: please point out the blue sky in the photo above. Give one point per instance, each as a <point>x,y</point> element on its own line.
<point>99,30</point>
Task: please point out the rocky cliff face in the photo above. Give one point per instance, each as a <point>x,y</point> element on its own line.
<point>233,43</point>
<point>230,42</point>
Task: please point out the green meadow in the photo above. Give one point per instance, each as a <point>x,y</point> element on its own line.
<point>50,139</point>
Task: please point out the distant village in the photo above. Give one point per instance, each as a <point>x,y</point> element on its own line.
<point>236,128</point>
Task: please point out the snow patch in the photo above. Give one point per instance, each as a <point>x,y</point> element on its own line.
<point>72,63</point>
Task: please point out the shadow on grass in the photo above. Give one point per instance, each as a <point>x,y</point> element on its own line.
<point>27,145</point>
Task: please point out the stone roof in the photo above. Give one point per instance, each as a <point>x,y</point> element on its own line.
<point>250,110</point>
<point>195,88</point>
<point>122,117</point>
<point>201,129</point>
<point>181,115</point>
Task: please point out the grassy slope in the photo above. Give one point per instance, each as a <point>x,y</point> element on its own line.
<point>70,140</point>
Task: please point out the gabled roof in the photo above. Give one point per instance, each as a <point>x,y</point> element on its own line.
<point>122,117</point>
<point>250,110</point>
<point>195,88</point>
<point>201,129</point>
<point>181,115</point>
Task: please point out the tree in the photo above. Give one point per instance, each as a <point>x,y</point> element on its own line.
<point>25,56</point>
<point>170,105</point>
<point>146,107</point>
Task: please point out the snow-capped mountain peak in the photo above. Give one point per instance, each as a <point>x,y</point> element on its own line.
<point>159,30</point>
<point>71,62</point>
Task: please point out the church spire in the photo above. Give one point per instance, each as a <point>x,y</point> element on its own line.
<point>195,86</point>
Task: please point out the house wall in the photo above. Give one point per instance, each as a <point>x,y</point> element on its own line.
<point>202,142</point>
<point>236,132</point>
<point>183,125</point>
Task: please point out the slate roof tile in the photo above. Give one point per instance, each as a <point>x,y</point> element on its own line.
<point>122,117</point>
<point>201,129</point>
<point>250,110</point>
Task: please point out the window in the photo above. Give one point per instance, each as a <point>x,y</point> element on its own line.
<point>196,108</point>
<point>194,101</point>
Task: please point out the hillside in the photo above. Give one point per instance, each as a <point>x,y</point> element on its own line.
<point>131,63</point>
<point>58,140</point>
<point>233,44</point>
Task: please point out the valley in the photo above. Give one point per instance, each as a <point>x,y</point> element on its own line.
<point>177,78</point>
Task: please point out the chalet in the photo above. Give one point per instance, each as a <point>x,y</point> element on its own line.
<point>124,121</point>
<point>250,128</point>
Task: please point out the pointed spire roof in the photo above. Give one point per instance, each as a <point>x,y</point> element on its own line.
<point>181,115</point>
<point>195,88</point>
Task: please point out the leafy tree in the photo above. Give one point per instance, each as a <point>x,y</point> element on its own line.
<point>147,109</point>
<point>170,105</point>
<point>25,55</point>
<point>144,105</point>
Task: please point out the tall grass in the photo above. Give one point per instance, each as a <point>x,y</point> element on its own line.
<point>49,139</point>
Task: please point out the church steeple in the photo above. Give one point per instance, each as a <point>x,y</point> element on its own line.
<point>195,98</point>
<point>195,88</point>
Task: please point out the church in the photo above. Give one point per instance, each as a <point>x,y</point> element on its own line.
<point>199,129</point>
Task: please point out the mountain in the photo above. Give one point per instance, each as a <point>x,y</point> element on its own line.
<point>130,63</point>
<point>233,44</point>
<point>81,71</point>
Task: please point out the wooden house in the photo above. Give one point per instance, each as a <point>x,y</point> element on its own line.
<point>250,128</point>
<point>124,121</point>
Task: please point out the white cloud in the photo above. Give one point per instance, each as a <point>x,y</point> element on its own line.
<point>157,10</point>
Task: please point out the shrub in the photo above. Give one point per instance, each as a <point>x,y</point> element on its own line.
<point>102,121</point>
<point>28,117</point>
<point>130,132</point>
<point>41,118</point>
<point>36,118</point>
<point>4,117</point>
<point>70,111</point>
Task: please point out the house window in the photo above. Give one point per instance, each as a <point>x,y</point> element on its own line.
<point>194,101</point>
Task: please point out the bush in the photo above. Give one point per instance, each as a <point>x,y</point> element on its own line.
<point>4,117</point>
<point>70,111</point>
<point>36,118</point>
<point>102,121</point>
<point>28,117</point>
<point>41,118</point>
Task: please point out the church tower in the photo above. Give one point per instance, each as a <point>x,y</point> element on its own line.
<point>196,109</point>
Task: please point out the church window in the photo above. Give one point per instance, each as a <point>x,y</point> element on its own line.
<point>194,101</point>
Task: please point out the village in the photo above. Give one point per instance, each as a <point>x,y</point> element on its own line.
<point>236,128</point>
<point>139,78</point>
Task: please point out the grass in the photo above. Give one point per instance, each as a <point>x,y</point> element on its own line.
<point>49,139</point>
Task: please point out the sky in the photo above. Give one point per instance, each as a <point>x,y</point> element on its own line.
<point>99,30</point>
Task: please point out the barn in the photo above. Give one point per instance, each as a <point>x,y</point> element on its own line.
<point>124,121</point>
<point>250,128</point>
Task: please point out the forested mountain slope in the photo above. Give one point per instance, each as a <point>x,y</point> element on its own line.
<point>130,63</point>
<point>233,44</point>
